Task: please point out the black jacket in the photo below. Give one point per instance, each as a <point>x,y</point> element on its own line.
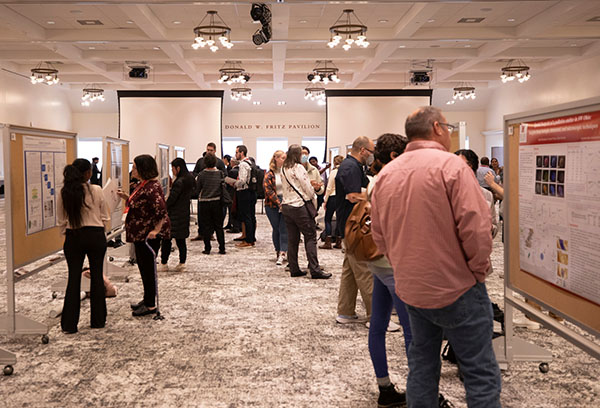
<point>178,206</point>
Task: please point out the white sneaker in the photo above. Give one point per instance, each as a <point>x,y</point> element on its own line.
<point>181,267</point>
<point>526,323</point>
<point>284,256</point>
<point>162,268</point>
<point>392,327</point>
<point>279,260</point>
<point>342,319</point>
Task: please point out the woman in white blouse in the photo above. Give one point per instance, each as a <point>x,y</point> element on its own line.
<point>83,216</point>
<point>298,196</point>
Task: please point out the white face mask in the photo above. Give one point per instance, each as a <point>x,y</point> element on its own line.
<point>304,159</point>
<point>370,159</point>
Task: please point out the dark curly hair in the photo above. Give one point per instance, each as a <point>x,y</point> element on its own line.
<point>471,156</point>
<point>146,166</point>
<point>387,144</point>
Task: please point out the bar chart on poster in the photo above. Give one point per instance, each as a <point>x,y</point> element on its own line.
<point>44,160</point>
<point>559,213</point>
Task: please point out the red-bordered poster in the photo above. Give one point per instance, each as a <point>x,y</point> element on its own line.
<point>559,202</point>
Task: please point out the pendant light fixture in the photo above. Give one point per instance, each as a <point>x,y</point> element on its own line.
<point>44,72</point>
<point>208,34</point>
<point>515,69</point>
<point>347,25</point>
<point>315,92</point>
<point>464,91</point>
<point>324,72</point>
<point>233,73</point>
<point>92,94</point>
<point>241,93</point>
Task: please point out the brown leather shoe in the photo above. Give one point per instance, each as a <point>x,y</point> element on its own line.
<point>198,238</point>
<point>338,243</point>
<point>244,244</point>
<point>327,244</point>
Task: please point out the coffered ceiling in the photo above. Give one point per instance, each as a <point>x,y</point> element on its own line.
<point>403,35</point>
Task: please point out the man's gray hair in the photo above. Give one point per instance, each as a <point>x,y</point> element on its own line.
<point>419,124</point>
<point>359,143</point>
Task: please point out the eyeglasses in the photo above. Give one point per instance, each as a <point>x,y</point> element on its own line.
<point>369,150</point>
<point>448,125</point>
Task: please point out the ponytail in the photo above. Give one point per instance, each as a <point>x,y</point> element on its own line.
<point>72,193</point>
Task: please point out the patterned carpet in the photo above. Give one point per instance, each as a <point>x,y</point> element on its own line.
<point>238,331</point>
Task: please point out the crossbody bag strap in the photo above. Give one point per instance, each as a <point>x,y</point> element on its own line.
<point>291,185</point>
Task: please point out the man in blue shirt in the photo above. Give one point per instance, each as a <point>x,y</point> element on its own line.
<point>356,276</point>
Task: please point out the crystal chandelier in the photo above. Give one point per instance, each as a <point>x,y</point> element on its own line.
<point>44,72</point>
<point>315,92</point>
<point>233,73</point>
<point>324,72</point>
<point>241,93</point>
<point>515,69</point>
<point>464,91</point>
<point>344,28</point>
<point>91,94</point>
<point>206,35</point>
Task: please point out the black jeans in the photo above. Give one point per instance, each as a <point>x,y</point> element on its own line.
<point>212,220</point>
<point>80,242</point>
<point>329,211</point>
<point>146,264</point>
<point>165,250</point>
<point>246,205</point>
<point>297,220</point>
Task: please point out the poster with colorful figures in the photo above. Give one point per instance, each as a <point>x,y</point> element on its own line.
<point>559,202</point>
<point>44,160</point>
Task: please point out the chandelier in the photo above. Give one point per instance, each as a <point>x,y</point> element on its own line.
<point>92,94</point>
<point>344,28</point>
<point>324,72</point>
<point>206,35</point>
<point>233,73</point>
<point>44,72</point>
<point>241,93</point>
<point>315,92</point>
<point>515,69</point>
<point>464,91</point>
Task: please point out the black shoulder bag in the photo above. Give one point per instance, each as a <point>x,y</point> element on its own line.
<point>312,211</point>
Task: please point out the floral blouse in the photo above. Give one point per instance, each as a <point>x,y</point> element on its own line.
<point>146,208</point>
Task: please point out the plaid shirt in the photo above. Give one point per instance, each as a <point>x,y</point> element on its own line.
<point>271,199</point>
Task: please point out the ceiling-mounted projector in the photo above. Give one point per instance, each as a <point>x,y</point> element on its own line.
<point>420,77</point>
<point>137,70</point>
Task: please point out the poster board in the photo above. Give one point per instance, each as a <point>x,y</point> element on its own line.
<point>552,174</point>
<point>178,151</point>
<point>162,161</point>
<point>27,238</point>
<point>116,152</point>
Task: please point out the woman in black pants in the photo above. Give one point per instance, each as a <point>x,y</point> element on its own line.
<point>210,182</point>
<point>82,217</point>
<point>146,220</point>
<point>178,207</point>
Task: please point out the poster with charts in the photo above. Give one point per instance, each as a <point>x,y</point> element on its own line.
<point>559,202</point>
<point>116,166</point>
<point>44,161</point>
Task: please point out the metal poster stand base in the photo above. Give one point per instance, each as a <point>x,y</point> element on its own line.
<point>23,325</point>
<point>7,359</point>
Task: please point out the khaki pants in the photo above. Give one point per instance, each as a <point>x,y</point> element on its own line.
<point>355,276</point>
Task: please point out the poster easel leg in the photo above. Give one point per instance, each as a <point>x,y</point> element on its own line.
<point>7,360</point>
<point>23,325</point>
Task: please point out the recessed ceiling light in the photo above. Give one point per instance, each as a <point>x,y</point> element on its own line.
<point>259,48</point>
<point>50,22</point>
<point>510,20</point>
<point>431,20</point>
<point>176,22</point>
<point>573,45</point>
<point>129,22</point>
<point>91,48</point>
<point>281,103</point>
<point>402,46</point>
<point>256,103</point>
<point>303,21</point>
<point>467,45</point>
<point>156,48</point>
<point>383,21</point>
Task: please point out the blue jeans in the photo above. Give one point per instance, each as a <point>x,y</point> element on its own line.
<point>329,211</point>
<point>384,298</point>
<point>280,238</point>
<point>468,325</point>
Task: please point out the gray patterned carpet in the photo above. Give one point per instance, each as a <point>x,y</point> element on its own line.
<point>238,331</point>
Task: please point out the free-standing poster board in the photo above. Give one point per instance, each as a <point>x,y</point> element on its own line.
<point>552,213</point>
<point>162,161</point>
<point>178,151</point>
<point>116,152</point>
<point>34,160</point>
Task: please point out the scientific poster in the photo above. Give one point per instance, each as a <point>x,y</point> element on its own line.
<point>44,160</point>
<point>116,168</point>
<point>559,202</point>
<point>163,166</point>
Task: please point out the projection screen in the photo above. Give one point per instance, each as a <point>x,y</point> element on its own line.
<point>190,119</point>
<point>370,113</point>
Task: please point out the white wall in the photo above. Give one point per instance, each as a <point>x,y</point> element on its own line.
<point>96,124</point>
<point>293,126</point>
<point>475,122</point>
<point>40,106</point>
<point>560,85</point>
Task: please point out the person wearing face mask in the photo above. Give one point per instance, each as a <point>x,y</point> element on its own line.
<point>313,175</point>
<point>350,182</point>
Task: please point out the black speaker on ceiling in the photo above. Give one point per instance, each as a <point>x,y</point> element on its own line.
<point>261,12</point>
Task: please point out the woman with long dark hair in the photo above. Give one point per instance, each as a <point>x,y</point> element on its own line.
<point>83,216</point>
<point>178,207</point>
<point>146,221</point>
<point>297,191</point>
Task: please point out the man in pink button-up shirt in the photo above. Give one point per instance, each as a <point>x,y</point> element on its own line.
<point>432,222</point>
